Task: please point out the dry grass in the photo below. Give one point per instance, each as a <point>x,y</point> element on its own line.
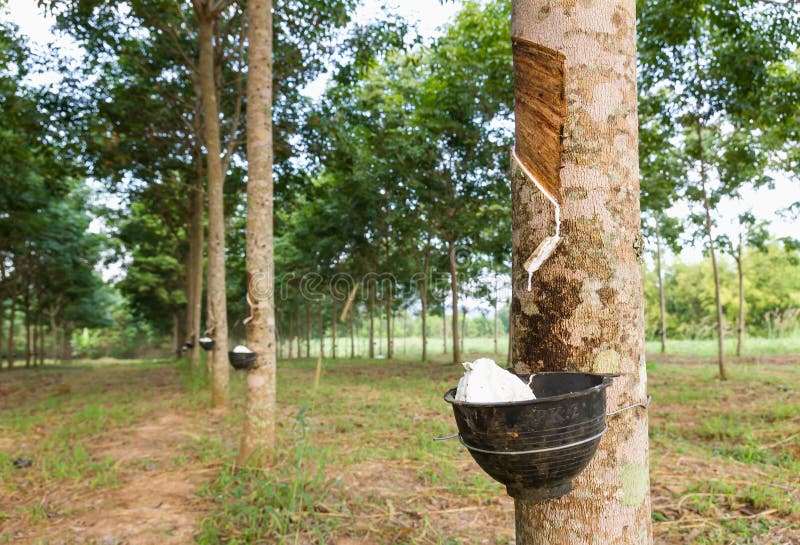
<point>131,454</point>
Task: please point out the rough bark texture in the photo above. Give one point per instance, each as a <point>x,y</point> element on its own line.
<point>585,311</point>
<point>258,439</point>
<point>662,303</point>
<point>451,251</point>
<point>217,304</point>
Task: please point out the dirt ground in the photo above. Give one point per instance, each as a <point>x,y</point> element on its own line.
<point>139,475</point>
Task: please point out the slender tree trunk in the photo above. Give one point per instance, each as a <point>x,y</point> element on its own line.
<point>308,329</point>
<point>352,332</point>
<point>444,326</point>
<point>11,330</point>
<point>463,327</point>
<point>333,327</point>
<point>291,335</point>
<point>371,348</point>
<point>495,316</point>
<point>662,304</point>
<point>451,251</point>
<point>217,303</point>
<point>321,322</point>
<point>576,131</point>
<point>54,336</point>
<point>740,272</point>
<point>258,439</point>
<point>27,308</point>
<point>389,340</point>
<point>713,253</point>
<point>195,272</point>
<point>423,296</point>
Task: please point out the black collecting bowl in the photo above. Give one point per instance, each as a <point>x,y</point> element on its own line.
<point>242,361</point>
<point>537,447</point>
<point>207,345</point>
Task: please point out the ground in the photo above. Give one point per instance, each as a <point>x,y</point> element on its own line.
<point>129,453</point>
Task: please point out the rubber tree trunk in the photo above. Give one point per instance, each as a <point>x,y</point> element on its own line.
<point>576,130</point>
<point>712,252</point>
<point>444,327</point>
<point>463,327</point>
<point>217,304</point>
<point>333,327</point>
<point>11,330</point>
<point>495,317</point>
<point>389,328</point>
<point>740,273</point>
<point>352,331</point>
<point>371,348</point>
<point>423,297</point>
<point>451,252</point>
<point>195,272</point>
<point>27,309</point>
<point>662,303</point>
<point>258,439</point>
<point>321,322</point>
<point>308,329</point>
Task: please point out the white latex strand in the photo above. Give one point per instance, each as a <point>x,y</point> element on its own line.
<point>549,244</point>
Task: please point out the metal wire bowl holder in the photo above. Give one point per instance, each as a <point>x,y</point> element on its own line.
<point>536,448</point>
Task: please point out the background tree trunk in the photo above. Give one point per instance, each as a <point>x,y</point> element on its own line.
<point>451,252</point>
<point>585,312</point>
<point>444,326</point>
<point>258,439</point>
<point>195,272</point>
<point>11,329</point>
<point>321,322</point>
<point>740,272</point>
<point>712,253</point>
<point>352,315</point>
<point>389,341</point>
<point>217,303</point>
<point>661,298</point>
<point>495,317</point>
<point>27,309</point>
<point>423,296</point>
<point>371,348</point>
<point>308,329</point>
<point>333,327</point>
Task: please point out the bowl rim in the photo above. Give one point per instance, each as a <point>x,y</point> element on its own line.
<point>450,395</point>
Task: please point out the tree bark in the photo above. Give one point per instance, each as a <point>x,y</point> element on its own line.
<point>423,296</point>
<point>11,329</point>
<point>308,329</point>
<point>740,272</point>
<point>463,327</point>
<point>662,304</point>
<point>195,272</point>
<point>27,309</point>
<point>444,326</point>
<point>352,331</point>
<point>585,311</point>
<point>451,251</point>
<point>333,327</point>
<point>258,439</point>
<point>712,252</point>
<point>321,322</point>
<point>389,340</point>
<point>371,348</point>
<point>495,317</point>
<point>217,303</point>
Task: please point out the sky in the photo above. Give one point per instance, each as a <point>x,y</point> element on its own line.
<point>429,15</point>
